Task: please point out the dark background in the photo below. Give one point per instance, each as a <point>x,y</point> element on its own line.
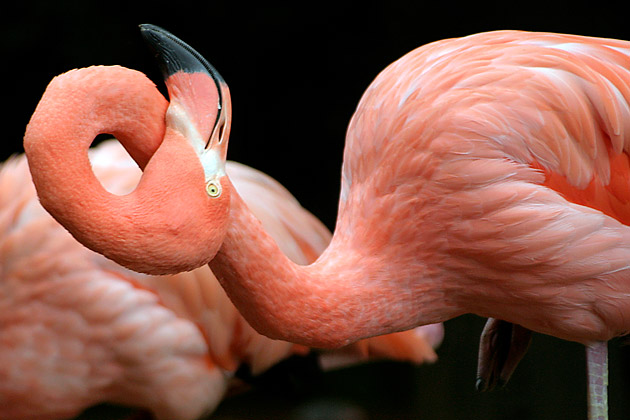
<point>296,71</point>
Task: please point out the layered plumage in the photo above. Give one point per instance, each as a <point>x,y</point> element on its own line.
<point>77,329</point>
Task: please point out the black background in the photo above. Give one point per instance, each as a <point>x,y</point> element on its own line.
<point>296,71</point>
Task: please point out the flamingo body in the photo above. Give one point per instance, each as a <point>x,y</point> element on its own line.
<point>486,174</point>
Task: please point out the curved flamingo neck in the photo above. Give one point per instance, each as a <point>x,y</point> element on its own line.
<point>161,219</point>
<point>342,297</point>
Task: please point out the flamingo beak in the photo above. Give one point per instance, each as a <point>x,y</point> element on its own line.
<point>200,106</point>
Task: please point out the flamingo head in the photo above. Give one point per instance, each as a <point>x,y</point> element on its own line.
<point>176,218</point>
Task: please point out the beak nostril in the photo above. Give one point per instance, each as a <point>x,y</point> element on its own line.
<point>218,133</point>
<point>221,133</point>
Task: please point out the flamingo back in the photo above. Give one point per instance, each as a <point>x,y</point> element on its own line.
<point>556,103</point>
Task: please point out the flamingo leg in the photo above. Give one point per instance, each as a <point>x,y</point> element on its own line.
<point>501,348</point>
<point>597,385</point>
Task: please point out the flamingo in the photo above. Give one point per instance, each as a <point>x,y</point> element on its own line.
<point>486,174</point>
<point>77,329</point>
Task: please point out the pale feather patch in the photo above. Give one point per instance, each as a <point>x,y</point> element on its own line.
<point>213,165</point>
<point>623,129</point>
<point>624,51</point>
<point>573,47</point>
<point>346,185</point>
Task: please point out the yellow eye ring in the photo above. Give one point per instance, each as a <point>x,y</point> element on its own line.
<point>213,188</point>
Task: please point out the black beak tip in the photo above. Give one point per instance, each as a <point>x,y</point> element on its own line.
<point>173,54</point>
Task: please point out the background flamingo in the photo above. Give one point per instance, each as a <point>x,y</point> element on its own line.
<point>470,146</point>
<point>336,50</point>
<point>77,329</point>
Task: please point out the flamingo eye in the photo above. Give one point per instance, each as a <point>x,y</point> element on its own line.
<point>213,188</point>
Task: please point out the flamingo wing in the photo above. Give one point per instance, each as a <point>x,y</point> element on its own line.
<point>564,102</point>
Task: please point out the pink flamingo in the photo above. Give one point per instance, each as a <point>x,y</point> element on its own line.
<point>77,329</point>
<point>486,174</point>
